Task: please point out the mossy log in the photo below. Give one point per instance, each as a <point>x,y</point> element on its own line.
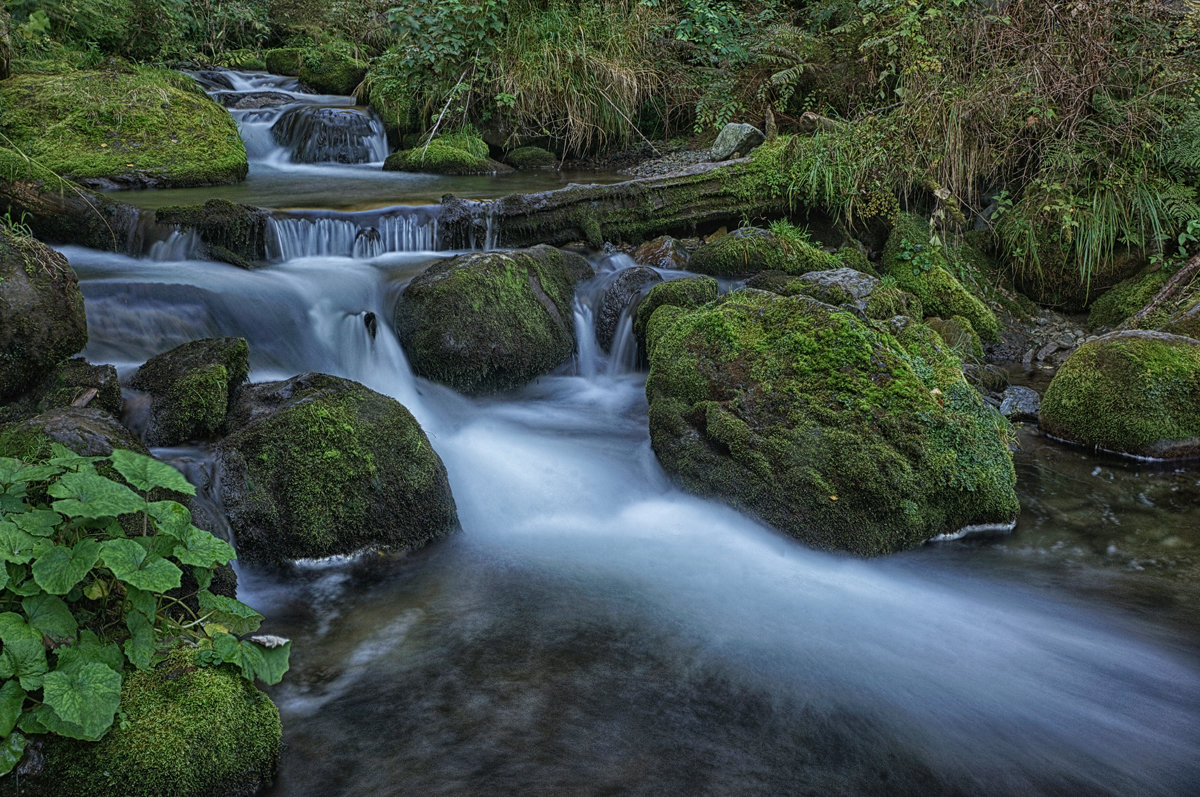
<point>701,198</point>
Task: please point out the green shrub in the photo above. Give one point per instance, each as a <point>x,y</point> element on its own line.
<point>105,600</point>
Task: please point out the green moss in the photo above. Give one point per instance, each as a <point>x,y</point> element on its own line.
<point>1125,298</point>
<point>959,335</point>
<point>283,60</point>
<point>830,429</point>
<point>136,127</point>
<point>923,270</point>
<point>438,158</point>
<point>330,69</point>
<point>1133,392</point>
<point>750,250</point>
<point>492,321</point>
<point>530,158</point>
<point>887,301</point>
<point>332,468</point>
<point>851,256</point>
<point>191,387</point>
<point>688,293</point>
<point>187,732</point>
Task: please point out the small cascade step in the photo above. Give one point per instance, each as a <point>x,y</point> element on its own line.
<point>360,235</point>
<point>315,134</point>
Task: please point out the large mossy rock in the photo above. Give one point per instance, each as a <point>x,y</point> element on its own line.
<point>231,233</point>
<point>318,466</point>
<point>843,287</point>
<point>86,431</point>
<point>849,435</point>
<point>751,250</point>
<point>283,60</point>
<point>191,388</point>
<point>142,127</point>
<point>688,293</point>
<point>186,731</point>
<point>491,321</point>
<point>454,154</point>
<point>331,70</point>
<point>924,271</point>
<point>1134,392</point>
<point>1125,298</point>
<point>42,322</point>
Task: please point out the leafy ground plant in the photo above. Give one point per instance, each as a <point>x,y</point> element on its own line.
<point>92,583</point>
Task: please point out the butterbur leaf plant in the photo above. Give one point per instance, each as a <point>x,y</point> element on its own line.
<point>94,581</point>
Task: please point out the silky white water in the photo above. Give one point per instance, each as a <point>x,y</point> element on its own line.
<point>592,629</point>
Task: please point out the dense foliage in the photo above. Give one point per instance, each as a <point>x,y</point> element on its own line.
<point>99,575</point>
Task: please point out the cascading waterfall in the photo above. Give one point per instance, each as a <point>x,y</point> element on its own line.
<point>360,235</point>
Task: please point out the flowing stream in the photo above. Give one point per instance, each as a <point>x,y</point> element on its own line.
<point>594,630</point>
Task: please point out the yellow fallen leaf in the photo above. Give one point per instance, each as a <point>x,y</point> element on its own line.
<point>104,145</point>
<point>833,498</point>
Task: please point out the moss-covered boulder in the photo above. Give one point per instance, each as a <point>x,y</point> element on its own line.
<point>283,60</point>
<point>73,383</point>
<point>331,70</point>
<point>846,434</point>
<point>186,731</point>
<point>191,388</point>
<point>888,301</point>
<point>85,430</point>
<point>750,250</point>
<point>318,466</point>
<point>42,321</point>
<point>924,270</point>
<point>1125,298</point>
<point>231,233</point>
<point>455,154</point>
<point>842,287</point>
<point>959,335</point>
<point>140,127</point>
<point>1135,392</point>
<point>622,292</point>
<point>687,293</point>
<point>531,158</point>
<point>491,321</point>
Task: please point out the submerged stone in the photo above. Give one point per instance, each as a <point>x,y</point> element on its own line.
<point>849,435</point>
<point>1134,392</point>
<point>491,321</point>
<point>318,466</point>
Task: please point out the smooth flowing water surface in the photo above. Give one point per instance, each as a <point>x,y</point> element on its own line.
<point>593,630</point>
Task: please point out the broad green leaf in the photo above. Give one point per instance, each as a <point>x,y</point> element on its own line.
<point>229,612</point>
<point>146,473</point>
<point>31,722</point>
<point>90,495</point>
<point>38,522</point>
<point>171,517</point>
<point>15,545</point>
<point>142,601</point>
<point>133,564</point>
<point>24,655</point>
<point>50,615</point>
<point>139,648</point>
<point>268,664</point>
<point>14,471</point>
<point>12,700</point>
<point>89,649</point>
<point>3,575</point>
<point>203,577</point>
<point>88,697</point>
<point>11,504</point>
<point>11,750</point>
<point>58,569</point>
<point>25,588</point>
<point>65,458</point>
<point>201,549</point>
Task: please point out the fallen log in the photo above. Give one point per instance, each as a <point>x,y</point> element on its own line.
<point>694,201</point>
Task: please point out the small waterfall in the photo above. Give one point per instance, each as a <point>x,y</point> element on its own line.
<point>623,358</point>
<point>179,245</point>
<point>588,358</point>
<point>360,235</point>
<point>490,236</point>
<point>316,134</point>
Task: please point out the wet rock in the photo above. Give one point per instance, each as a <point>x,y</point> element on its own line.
<point>491,321</point>
<point>1134,392</point>
<point>662,252</point>
<point>326,135</point>
<point>86,431</point>
<point>231,233</point>
<point>735,140</point>
<point>622,293</point>
<point>318,466</point>
<point>1020,403</point>
<point>255,100</point>
<point>191,388</point>
<point>74,383</point>
<point>1047,350</point>
<point>42,321</point>
<point>212,79</point>
<point>823,425</point>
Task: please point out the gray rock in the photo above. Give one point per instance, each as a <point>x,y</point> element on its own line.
<point>1019,403</point>
<point>739,138</point>
<point>1047,350</point>
<point>86,431</point>
<point>622,292</point>
<point>854,287</point>
<point>254,100</point>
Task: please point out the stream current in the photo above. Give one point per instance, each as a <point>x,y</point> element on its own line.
<point>594,630</point>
